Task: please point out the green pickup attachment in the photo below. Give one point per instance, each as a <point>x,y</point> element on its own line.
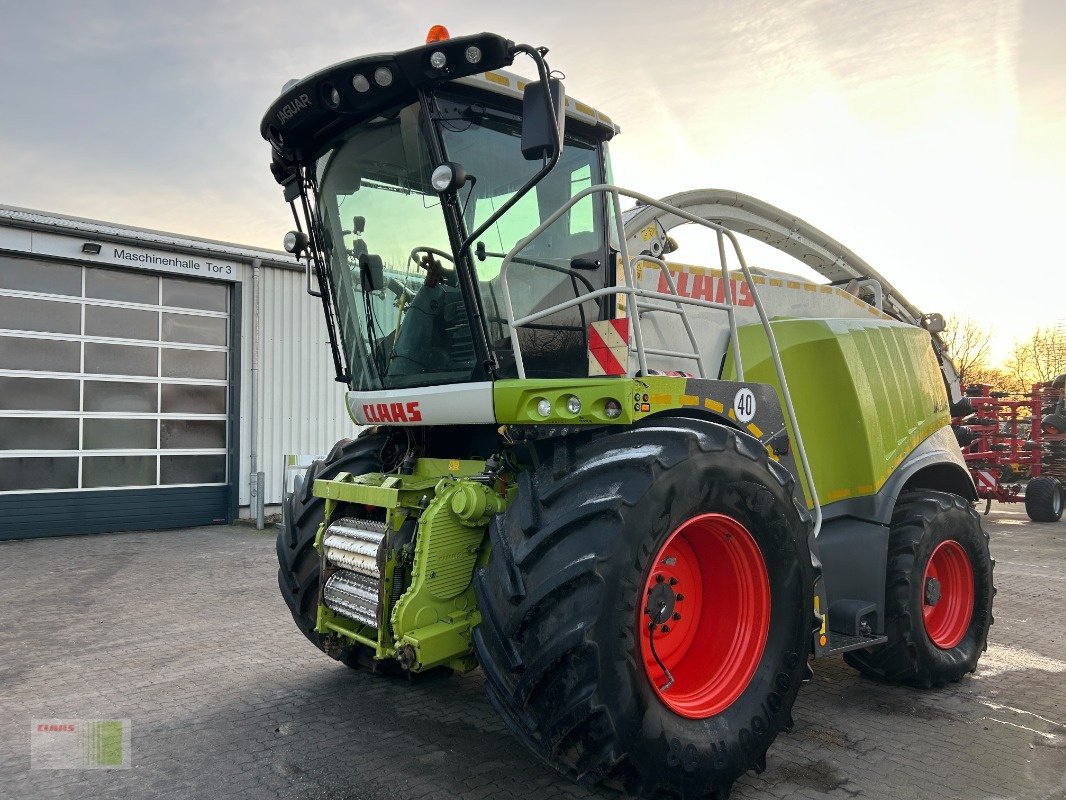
<point>404,587</point>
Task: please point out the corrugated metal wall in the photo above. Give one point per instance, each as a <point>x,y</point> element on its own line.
<point>301,406</point>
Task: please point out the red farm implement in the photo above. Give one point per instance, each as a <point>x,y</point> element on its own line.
<point>1011,459</point>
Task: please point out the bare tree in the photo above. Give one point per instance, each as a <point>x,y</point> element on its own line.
<point>998,378</point>
<point>1040,358</point>
<point>968,343</point>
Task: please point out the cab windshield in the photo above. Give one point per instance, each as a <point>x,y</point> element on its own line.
<point>401,314</point>
<point>487,142</point>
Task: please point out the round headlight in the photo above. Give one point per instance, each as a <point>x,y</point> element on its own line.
<point>573,404</point>
<point>383,76</point>
<point>360,83</point>
<point>544,408</point>
<point>448,177</point>
<point>612,409</point>
<point>442,177</point>
<point>295,242</point>
<point>437,59</point>
<point>473,54</point>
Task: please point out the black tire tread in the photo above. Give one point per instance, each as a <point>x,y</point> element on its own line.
<point>898,661</point>
<point>1040,494</point>
<point>1055,421</point>
<point>542,575</point>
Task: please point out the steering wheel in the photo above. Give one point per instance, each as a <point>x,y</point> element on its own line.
<point>435,270</point>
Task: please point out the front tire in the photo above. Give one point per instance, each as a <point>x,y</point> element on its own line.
<point>565,602</point>
<point>938,594</point>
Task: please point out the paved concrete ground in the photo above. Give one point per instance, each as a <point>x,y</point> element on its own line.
<point>184,633</point>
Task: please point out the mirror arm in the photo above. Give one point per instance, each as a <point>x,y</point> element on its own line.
<point>545,76</point>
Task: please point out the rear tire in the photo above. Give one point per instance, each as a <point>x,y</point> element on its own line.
<point>563,602</point>
<point>1053,424</point>
<point>302,514</point>
<point>1044,499</point>
<point>935,536</point>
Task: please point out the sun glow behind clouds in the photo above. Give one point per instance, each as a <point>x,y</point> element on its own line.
<point>925,135</point>
<point>895,131</point>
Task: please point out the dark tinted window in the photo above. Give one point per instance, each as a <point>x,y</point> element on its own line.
<point>193,364</point>
<point>204,295</point>
<point>121,396</point>
<point>192,469</point>
<point>38,394</point>
<point>120,359</point>
<point>121,323</point>
<point>98,471</point>
<point>186,399</point>
<point>48,316</point>
<point>46,355</point>
<point>129,287</point>
<point>20,433</point>
<point>192,433</point>
<point>28,275</point>
<point>38,473</point>
<point>194,330</point>
<point>119,434</point>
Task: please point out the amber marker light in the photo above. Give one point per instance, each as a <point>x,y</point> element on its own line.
<point>438,33</point>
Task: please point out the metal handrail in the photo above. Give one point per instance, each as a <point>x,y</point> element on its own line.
<point>678,309</point>
<point>634,293</point>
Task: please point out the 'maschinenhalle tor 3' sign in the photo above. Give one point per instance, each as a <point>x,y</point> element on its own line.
<point>145,258</point>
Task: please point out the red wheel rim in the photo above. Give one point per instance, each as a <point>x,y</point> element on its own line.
<point>712,570</point>
<point>947,594</point>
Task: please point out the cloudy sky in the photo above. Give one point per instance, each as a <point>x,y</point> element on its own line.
<point>927,136</point>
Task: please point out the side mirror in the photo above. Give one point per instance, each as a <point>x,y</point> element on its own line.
<point>538,136</point>
<point>372,272</point>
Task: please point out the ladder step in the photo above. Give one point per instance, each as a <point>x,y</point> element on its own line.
<point>842,643</point>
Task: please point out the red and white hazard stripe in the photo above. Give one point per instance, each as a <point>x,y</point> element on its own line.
<point>986,480</point>
<point>609,347</point>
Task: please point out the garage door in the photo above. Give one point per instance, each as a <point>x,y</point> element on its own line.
<point>114,399</point>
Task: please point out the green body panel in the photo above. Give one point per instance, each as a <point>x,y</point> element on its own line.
<point>432,621</point>
<point>866,393</point>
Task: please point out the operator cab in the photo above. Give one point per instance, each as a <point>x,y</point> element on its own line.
<point>396,168</point>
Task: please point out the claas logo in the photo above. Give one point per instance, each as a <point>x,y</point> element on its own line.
<point>392,412</point>
<point>706,287</point>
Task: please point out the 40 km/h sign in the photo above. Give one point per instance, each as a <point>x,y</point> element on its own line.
<point>744,405</point>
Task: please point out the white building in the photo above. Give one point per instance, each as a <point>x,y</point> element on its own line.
<point>146,378</point>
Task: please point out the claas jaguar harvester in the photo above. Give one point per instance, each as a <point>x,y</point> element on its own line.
<point>639,495</point>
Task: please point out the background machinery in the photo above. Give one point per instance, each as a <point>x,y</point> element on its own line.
<point>1009,441</point>
<point>639,495</point>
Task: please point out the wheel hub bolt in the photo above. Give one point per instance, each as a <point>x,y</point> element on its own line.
<point>673,581</point>
<point>679,597</point>
<point>665,629</point>
<point>658,578</point>
<point>932,592</point>
<point>676,616</point>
